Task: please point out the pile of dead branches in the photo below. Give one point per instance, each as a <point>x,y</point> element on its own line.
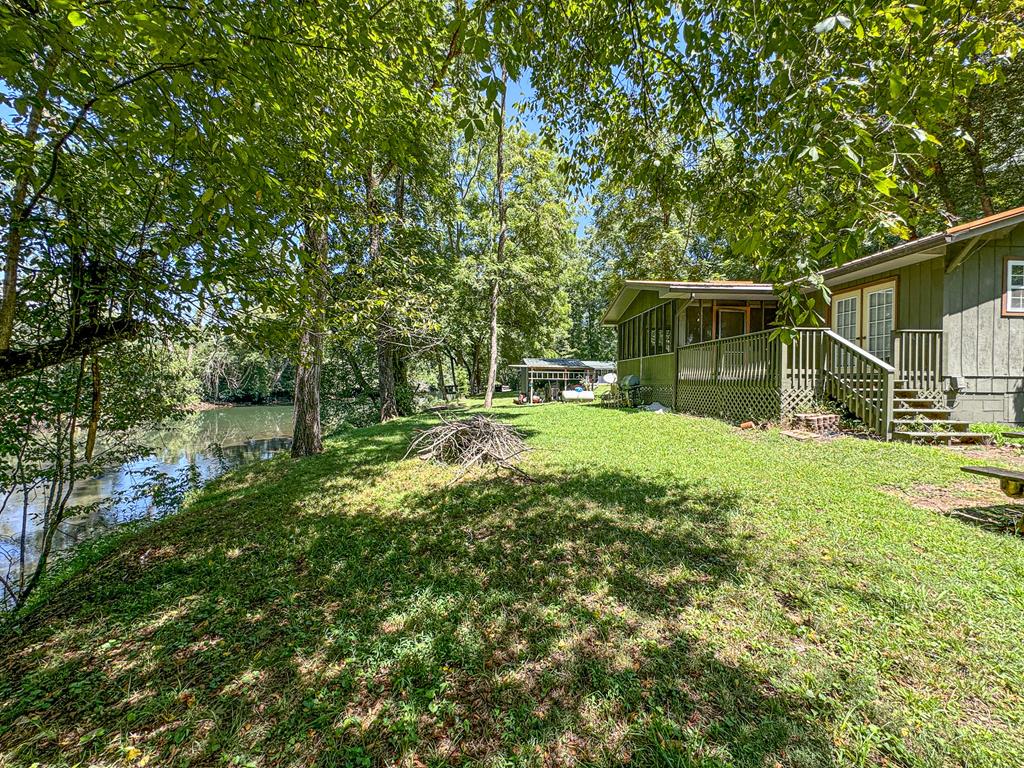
<point>471,442</point>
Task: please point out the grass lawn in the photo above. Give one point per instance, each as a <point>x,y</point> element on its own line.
<point>672,591</point>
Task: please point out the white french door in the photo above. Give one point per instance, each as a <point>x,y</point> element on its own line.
<point>846,316</point>
<point>867,317</point>
<point>880,320</point>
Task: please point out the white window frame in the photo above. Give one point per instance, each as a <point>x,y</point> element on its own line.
<point>1008,307</point>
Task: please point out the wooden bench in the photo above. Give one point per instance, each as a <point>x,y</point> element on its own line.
<point>1013,434</point>
<point>1011,482</point>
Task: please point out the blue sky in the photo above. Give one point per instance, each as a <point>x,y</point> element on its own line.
<point>518,98</point>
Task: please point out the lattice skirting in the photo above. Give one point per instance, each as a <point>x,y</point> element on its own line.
<point>733,403</point>
<point>938,395</point>
<point>796,401</point>
<point>661,395</point>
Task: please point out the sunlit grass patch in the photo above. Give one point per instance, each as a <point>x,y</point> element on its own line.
<point>668,591</point>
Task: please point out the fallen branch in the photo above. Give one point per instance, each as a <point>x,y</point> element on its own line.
<point>471,442</point>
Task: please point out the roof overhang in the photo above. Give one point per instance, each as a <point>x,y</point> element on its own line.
<point>583,366</point>
<point>956,242</point>
<point>902,255</point>
<point>675,289</point>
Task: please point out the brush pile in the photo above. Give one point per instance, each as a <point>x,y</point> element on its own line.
<point>470,442</point>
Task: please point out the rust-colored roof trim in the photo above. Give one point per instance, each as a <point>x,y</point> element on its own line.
<point>985,221</point>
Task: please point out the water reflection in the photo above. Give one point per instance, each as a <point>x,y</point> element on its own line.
<point>201,447</point>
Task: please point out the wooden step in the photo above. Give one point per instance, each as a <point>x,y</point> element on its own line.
<point>954,425</point>
<point>944,437</point>
<point>941,413</point>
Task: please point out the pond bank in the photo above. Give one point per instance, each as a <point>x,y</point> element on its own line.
<point>203,445</point>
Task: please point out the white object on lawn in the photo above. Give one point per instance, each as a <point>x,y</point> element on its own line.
<point>572,394</point>
<point>657,407</point>
<point>609,378</point>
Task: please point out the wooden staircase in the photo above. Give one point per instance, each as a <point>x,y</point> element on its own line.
<point>919,418</point>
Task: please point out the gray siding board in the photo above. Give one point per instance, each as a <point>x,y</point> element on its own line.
<point>969,317</point>
<point>952,330</point>
<point>1000,326</point>
<point>986,322</point>
<point>984,348</point>
<point>1015,348</point>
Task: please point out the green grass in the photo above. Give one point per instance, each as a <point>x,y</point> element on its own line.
<point>998,431</point>
<point>671,591</point>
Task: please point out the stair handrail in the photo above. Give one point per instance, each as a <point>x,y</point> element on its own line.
<point>860,351</point>
<point>877,416</point>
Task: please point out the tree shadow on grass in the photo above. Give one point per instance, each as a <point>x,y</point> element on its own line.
<point>336,611</point>
<point>999,518</point>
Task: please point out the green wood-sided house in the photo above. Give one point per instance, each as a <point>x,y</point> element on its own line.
<point>917,341</point>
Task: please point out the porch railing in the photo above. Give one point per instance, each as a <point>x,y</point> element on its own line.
<point>740,360</point>
<point>917,356</point>
<point>757,376</point>
<point>736,377</point>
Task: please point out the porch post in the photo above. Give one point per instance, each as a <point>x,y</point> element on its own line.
<point>887,406</point>
<point>897,348</point>
<point>784,382</point>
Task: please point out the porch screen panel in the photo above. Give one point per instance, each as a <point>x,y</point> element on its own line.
<point>692,315</point>
<point>756,318</point>
<point>670,327</point>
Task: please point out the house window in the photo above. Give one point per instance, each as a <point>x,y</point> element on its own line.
<point>1014,301</point>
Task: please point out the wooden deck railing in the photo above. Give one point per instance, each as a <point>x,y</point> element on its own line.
<point>803,361</point>
<point>917,357</point>
<point>741,360</point>
<point>758,374</point>
<point>737,378</point>
<point>860,381</point>
<point>746,372</point>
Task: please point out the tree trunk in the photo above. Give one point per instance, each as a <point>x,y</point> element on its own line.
<point>400,366</point>
<point>94,410</point>
<point>87,339</point>
<point>385,360</point>
<point>973,152</point>
<point>499,182</point>
<point>386,375</point>
<point>942,184</point>
<point>357,372</point>
<point>307,438</point>
<point>474,372</point>
<point>18,213</point>
<point>468,365</point>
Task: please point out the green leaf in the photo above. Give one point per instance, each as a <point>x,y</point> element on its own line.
<point>884,184</point>
<point>829,23</point>
<point>77,18</point>
<point>852,156</point>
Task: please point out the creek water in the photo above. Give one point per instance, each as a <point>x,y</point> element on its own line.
<point>199,448</point>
